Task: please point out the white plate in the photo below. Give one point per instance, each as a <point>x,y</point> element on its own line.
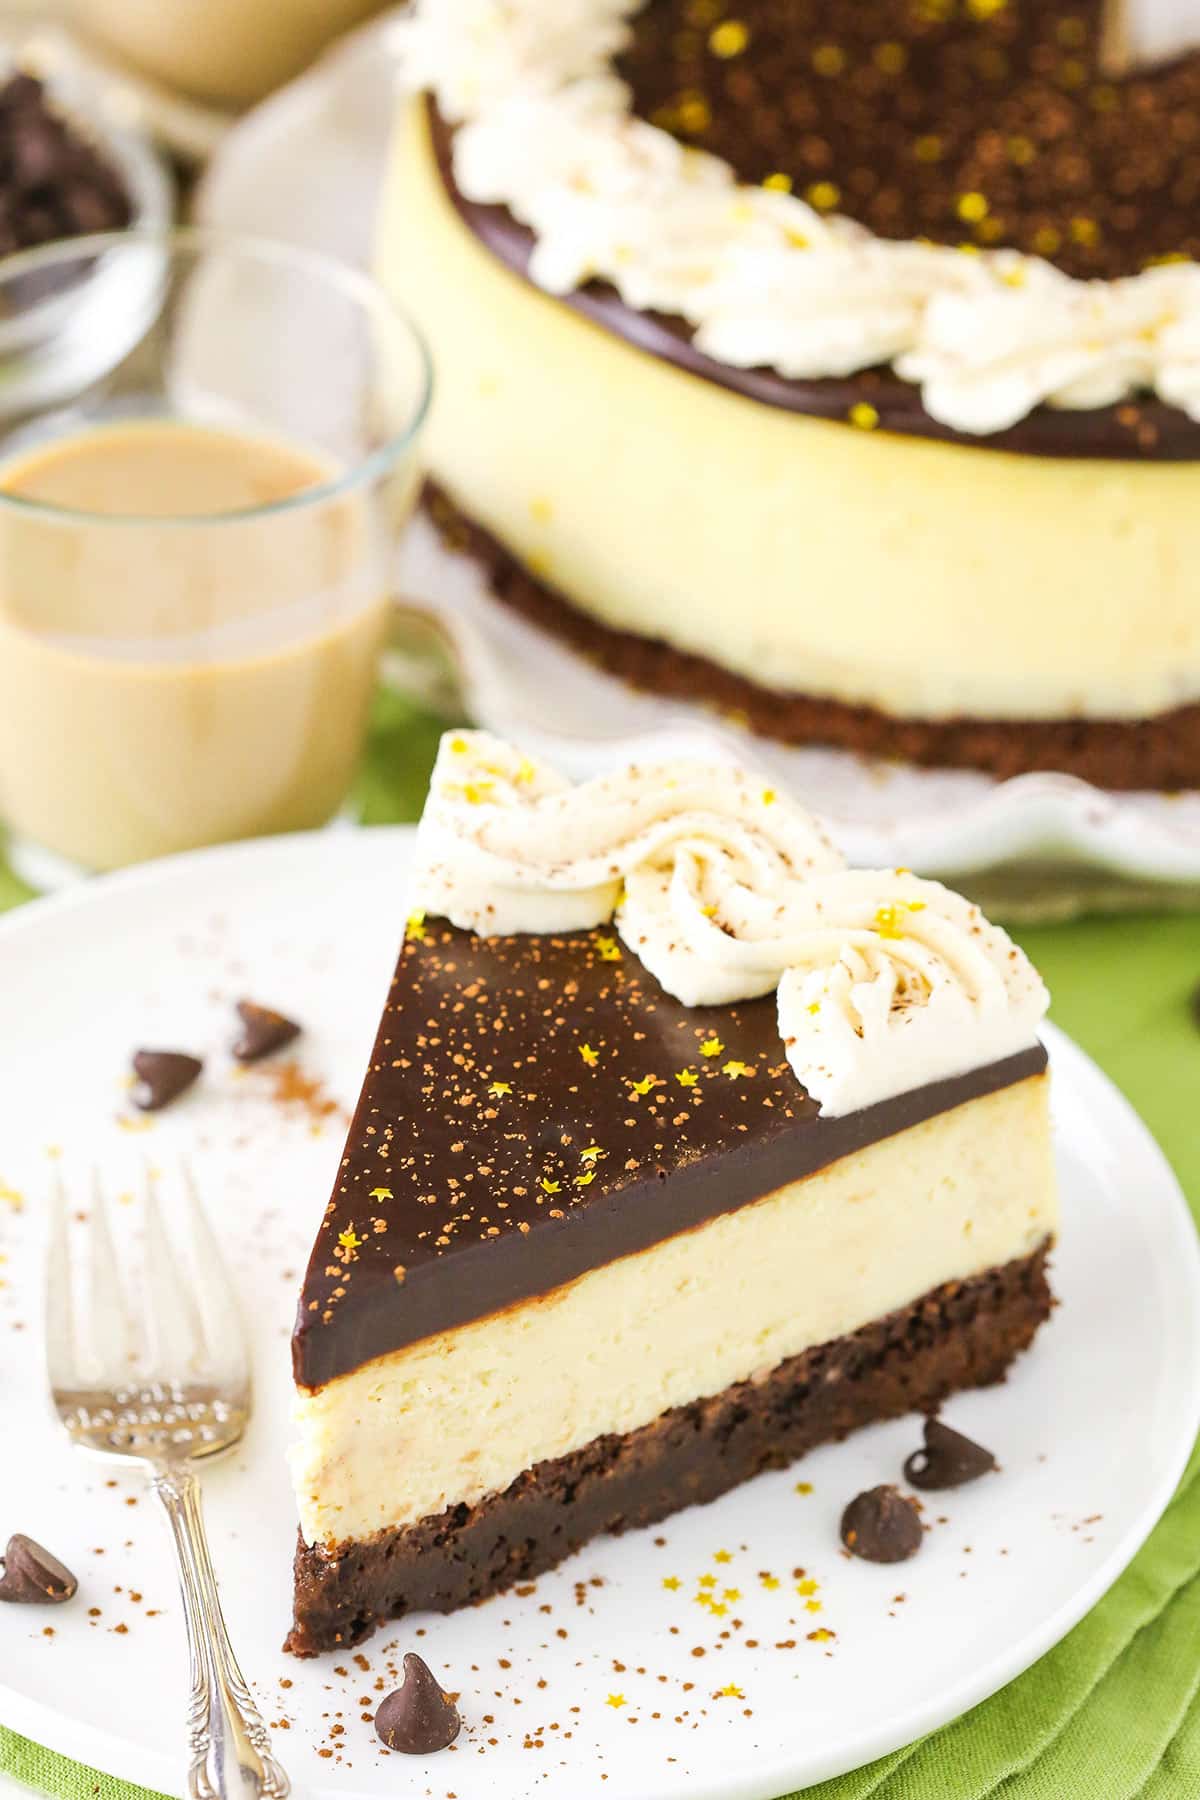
<point>1092,1430</point>
<point>306,166</point>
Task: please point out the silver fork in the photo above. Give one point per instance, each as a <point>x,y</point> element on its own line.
<point>168,1387</point>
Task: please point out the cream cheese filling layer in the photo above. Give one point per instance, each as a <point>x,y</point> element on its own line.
<point>460,1415</point>
<point>924,579</point>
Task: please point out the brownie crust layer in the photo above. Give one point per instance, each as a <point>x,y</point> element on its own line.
<point>1162,752</point>
<point>962,1335</point>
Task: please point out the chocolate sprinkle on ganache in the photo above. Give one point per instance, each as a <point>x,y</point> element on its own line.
<point>537,1107</point>
<point>419,1717</point>
<point>263,1031</point>
<point>162,1076</point>
<point>988,123</point>
<point>882,1526</point>
<point>32,1576</point>
<point>948,1460</point>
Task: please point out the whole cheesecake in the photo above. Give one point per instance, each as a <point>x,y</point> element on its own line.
<point>681,1150</point>
<point>839,365</point>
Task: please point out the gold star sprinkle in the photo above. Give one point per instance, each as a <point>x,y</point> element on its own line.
<point>380,1193</point>
<point>731,1691</point>
<point>804,1487</point>
<point>711,1047</point>
<point>476,792</point>
<point>644,1085</point>
<point>672,1583</point>
<point>734,1069</point>
<point>687,1077</point>
<point>498,1089</point>
<point>415,927</point>
<point>610,950</point>
<point>617,1700</point>
<point>11,1197</point>
<point>823,196</point>
<point>821,1635</point>
<point>768,796</point>
<point>459,746</point>
<point>549,1187</point>
<point>585,1180</point>
<point>864,416</point>
<point>591,1153</point>
<point>778,182</point>
<point>814,1006</point>
<point>807,1586</point>
<point>722,1556</point>
<point>889,919</point>
<point>525,772</point>
<point>731,1594</point>
<point>828,59</point>
<point>812,1606</point>
<point>708,1581</point>
<point>718,1609</point>
<point>972,207</point>
<point>770,1582</point>
<point>590,1056</point>
<point>728,39</point>
<point>349,1240</point>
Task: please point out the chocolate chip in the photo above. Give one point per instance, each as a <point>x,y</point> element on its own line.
<point>263,1031</point>
<point>882,1526</point>
<point>54,180</point>
<point>949,1459</point>
<point>418,1718</point>
<point>162,1076</point>
<point>32,1577</point>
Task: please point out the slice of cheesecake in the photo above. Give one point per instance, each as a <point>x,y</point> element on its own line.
<point>607,1241</point>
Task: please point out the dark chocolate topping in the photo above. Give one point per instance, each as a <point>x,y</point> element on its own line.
<point>949,1459</point>
<point>162,1076</point>
<point>263,1031</point>
<point>537,1107</point>
<point>418,1718</point>
<point>989,122</point>
<point>1145,429</point>
<point>32,1577</point>
<point>882,1526</point>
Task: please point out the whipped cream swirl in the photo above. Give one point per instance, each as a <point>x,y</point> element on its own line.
<point>547,129</point>
<point>726,890</point>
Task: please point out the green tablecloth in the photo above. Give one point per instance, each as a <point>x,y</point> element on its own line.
<point>1114,1711</point>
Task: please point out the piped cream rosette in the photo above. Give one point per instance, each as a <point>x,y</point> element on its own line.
<point>726,890</point>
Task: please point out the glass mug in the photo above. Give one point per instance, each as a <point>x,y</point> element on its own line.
<point>208,448</point>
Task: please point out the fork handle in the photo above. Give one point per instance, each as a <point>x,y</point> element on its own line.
<point>229,1746</point>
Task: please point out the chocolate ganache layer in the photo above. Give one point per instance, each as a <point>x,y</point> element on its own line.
<point>963,1334</point>
<point>1147,429</point>
<point>992,123</point>
<point>537,1107</point>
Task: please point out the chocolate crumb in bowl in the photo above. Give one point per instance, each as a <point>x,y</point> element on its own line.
<point>32,1577</point>
<point>949,1459</point>
<point>882,1526</point>
<point>162,1076</point>
<point>54,182</point>
<point>263,1031</point>
<point>418,1717</point>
